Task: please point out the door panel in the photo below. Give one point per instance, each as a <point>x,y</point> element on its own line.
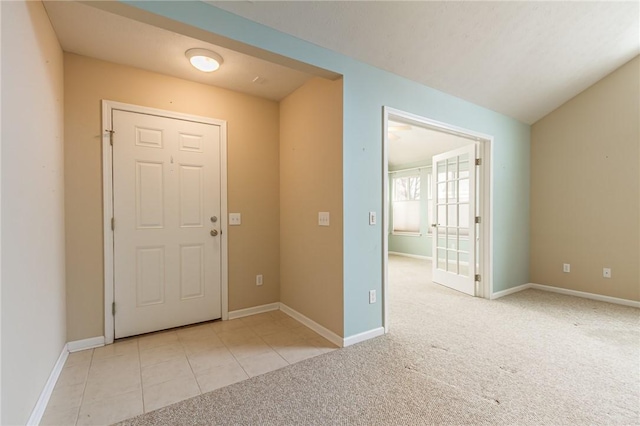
<point>454,226</point>
<point>166,186</point>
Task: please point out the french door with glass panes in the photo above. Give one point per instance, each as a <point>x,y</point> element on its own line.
<point>454,229</point>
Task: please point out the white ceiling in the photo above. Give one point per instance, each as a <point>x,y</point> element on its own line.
<point>92,32</point>
<point>522,59</point>
<point>413,144</point>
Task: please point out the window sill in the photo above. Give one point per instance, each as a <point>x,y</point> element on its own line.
<point>407,234</point>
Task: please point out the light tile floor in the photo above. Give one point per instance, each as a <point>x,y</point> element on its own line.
<point>141,374</point>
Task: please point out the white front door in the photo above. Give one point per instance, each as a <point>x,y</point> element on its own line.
<point>166,202</point>
<point>454,229</point>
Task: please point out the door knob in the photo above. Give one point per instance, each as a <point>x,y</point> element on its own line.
<point>214,232</point>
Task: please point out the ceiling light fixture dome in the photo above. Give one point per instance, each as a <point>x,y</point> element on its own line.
<point>204,60</point>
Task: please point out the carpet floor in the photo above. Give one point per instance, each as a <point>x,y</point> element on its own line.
<point>531,358</point>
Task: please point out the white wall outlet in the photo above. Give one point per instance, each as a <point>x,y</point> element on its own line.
<point>372,296</point>
<point>606,272</point>
<point>235,219</point>
<point>372,218</point>
<point>323,218</point>
<point>259,279</point>
<point>566,268</point>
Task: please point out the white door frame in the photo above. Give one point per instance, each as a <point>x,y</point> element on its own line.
<point>107,201</point>
<point>485,197</point>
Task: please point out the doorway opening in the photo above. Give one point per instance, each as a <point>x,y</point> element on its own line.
<point>437,202</point>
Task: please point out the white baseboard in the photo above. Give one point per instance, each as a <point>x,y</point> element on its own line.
<point>254,310</point>
<point>414,256</point>
<point>43,401</point>
<point>585,295</point>
<point>567,292</point>
<point>361,337</point>
<point>324,332</point>
<point>90,343</point>
<point>499,294</point>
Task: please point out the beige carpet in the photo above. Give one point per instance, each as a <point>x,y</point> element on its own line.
<point>531,358</point>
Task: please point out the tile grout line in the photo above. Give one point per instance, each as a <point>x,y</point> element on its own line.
<point>232,354</point>
<point>140,369</point>
<point>84,388</point>
<point>195,377</point>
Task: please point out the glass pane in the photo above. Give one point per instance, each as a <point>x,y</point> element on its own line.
<point>442,193</point>
<point>452,168</point>
<point>452,215</point>
<point>464,190</point>
<point>452,242</point>
<point>464,215</point>
<point>463,257</point>
<point>442,261</point>
<point>442,214</point>
<point>452,193</point>
<point>442,170</point>
<point>452,264</point>
<point>430,218</point>
<point>442,242</point>
<point>406,188</point>
<point>464,166</point>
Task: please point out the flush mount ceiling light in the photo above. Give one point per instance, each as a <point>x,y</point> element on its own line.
<point>204,60</point>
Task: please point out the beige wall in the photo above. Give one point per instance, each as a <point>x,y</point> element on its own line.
<point>253,135</point>
<point>585,189</point>
<point>311,261</point>
<point>33,292</point>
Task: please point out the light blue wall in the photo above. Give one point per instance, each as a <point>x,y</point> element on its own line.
<point>366,90</point>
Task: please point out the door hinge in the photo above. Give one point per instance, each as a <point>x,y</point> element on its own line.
<point>478,220</point>
<point>478,161</point>
<point>113,308</point>
<point>111,132</point>
<point>113,224</point>
<point>478,277</point>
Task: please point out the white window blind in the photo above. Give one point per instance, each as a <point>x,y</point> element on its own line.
<point>406,204</point>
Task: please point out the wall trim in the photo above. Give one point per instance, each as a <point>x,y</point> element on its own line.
<point>239,313</point>
<point>585,295</point>
<point>45,395</point>
<point>499,294</point>
<point>323,331</point>
<point>361,337</point>
<point>568,292</point>
<point>90,343</point>
<point>414,256</point>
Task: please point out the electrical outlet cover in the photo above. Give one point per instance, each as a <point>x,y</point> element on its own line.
<point>235,219</point>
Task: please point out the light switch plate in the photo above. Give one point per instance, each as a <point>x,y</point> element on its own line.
<point>235,219</point>
<point>323,218</point>
<point>372,218</point>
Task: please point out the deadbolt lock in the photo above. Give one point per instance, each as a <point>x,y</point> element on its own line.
<point>214,219</point>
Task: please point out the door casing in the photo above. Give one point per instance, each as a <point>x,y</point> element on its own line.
<point>107,201</point>
<point>485,199</point>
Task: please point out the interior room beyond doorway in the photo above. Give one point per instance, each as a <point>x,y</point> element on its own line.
<point>436,194</point>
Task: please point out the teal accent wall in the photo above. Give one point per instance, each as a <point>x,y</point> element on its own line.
<point>366,90</point>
